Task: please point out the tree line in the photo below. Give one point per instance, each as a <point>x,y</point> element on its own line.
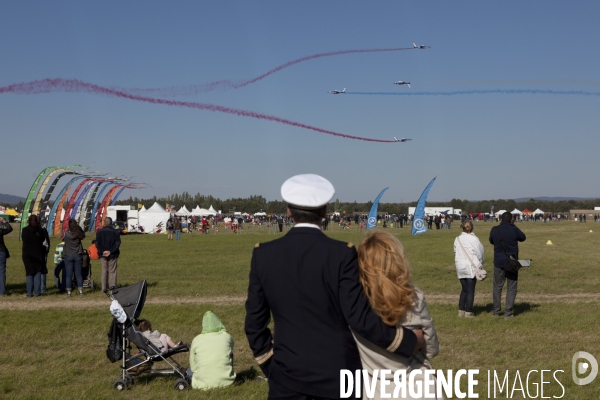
<point>258,203</point>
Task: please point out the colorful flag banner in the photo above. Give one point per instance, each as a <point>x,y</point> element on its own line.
<point>419,225</point>
<point>372,219</point>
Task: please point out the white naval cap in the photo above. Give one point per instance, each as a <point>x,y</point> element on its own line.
<point>307,191</point>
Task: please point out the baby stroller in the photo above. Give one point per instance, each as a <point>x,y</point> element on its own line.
<point>123,333</point>
<point>86,271</point>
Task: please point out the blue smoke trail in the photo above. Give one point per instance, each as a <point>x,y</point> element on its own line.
<point>470,92</point>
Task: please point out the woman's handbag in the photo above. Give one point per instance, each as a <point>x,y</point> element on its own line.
<point>480,273</point>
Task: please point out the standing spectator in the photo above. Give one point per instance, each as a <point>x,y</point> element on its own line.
<point>177,228</point>
<point>108,242</point>
<point>5,229</point>
<point>430,222</point>
<point>46,244</point>
<point>314,311</point>
<point>468,254</point>
<point>59,267</point>
<point>508,233</point>
<point>437,221</point>
<point>34,254</point>
<point>384,272</point>
<point>170,227</point>
<point>73,256</point>
<point>93,251</point>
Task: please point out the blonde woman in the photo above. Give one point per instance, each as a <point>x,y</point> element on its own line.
<point>468,254</point>
<point>384,272</point>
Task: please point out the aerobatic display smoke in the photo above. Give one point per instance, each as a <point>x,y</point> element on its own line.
<point>471,92</point>
<point>77,86</point>
<point>515,82</point>
<point>174,91</point>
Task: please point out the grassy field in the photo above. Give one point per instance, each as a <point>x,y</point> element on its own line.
<point>55,346</point>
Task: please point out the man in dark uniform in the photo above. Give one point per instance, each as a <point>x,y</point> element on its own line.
<point>309,283</point>
<point>511,235</point>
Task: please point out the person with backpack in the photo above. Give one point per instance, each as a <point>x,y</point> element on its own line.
<point>170,227</point>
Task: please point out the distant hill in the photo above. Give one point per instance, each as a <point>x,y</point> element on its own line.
<point>523,199</point>
<point>11,199</point>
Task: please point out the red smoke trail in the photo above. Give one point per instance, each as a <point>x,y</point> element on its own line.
<point>74,85</point>
<point>227,84</point>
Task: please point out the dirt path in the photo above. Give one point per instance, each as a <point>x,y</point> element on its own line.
<point>19,303</point>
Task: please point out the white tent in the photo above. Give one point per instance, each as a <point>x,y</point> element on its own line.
<point>212,210</point>
<point>538,211</point>
<point>143,209</point>
<point>515,211</point>
<point>499,213</point>
<point>183,212</point>
<point>260,214</point>
<point>202,212</point>
<point>154,219</point>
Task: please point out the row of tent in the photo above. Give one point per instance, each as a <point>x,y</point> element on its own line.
<point>154,219</point>
<point>517,212</point>
<point>183,211</point>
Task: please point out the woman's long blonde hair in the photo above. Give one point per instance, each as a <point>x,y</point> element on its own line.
<point>384,272</point>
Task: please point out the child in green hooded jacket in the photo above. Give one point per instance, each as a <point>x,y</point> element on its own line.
<point>211,355</point>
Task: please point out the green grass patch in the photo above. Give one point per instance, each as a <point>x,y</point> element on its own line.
<point>59,352</point>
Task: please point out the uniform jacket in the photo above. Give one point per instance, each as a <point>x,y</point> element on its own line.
<point>474,250</point>
<point>511,236</point>
<point>309,283</point>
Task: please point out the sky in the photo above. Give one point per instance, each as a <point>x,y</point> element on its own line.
<point>504,104</point>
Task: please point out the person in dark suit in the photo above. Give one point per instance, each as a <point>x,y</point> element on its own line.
<point>309,283</point>
<point>511,235</point>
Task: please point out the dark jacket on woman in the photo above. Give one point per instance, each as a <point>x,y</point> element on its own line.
<point>73,242</point>
<point>5,229</point>
<point>34,251</point>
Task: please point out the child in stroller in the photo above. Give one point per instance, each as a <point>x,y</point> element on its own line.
<point>126,307</point>
<point>162,341</point>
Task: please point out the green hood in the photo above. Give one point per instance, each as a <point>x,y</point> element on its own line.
<point>211,323</point>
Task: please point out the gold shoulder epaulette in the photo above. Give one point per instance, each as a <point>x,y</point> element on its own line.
<point>257,245</point>
<point>350,245</point>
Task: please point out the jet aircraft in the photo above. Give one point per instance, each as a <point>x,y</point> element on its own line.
<point>401,140</point>
<point>402,83</point>
<point>337,91</point>
<point>421,46</point>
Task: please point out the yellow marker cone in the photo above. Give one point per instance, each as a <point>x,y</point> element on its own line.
<point>591,231</point>
<point>549,242</point>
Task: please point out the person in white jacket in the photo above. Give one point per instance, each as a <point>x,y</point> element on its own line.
<point>468,254</point>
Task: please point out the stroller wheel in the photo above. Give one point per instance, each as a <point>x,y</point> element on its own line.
<point>129,380</point>
<point>120,384</point>
<point>181,384</point>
